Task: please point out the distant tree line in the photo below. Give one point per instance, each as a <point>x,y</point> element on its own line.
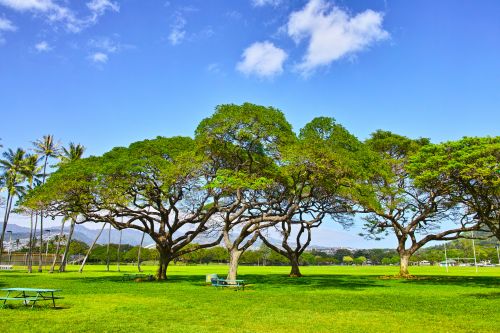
<point>246,171</point>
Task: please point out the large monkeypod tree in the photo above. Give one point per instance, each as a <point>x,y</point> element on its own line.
<point>470,168</point>
<point>155,186</point>
<point>321,173</point>
<point>244,144</point>
<point>415,214</point>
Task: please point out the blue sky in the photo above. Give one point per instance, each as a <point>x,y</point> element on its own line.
<point>106,73</point>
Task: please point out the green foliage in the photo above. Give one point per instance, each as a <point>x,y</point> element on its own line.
<point>347,260</point>
<point>360,260</point>
<point>469,168</point>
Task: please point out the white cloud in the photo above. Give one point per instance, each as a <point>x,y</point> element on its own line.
<point>215,68</point>
<point>332,33</point>
<point>56,13</point>
<point>99,7</point>
<point>7,25</point>
<point>261,3</point>
<point>43,46</point>
<point>107,44</point>
<point>99,58</point>
<point>177,32</point>
<point>262,59</point>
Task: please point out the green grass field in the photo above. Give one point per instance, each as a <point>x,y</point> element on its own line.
<point>327,299</point>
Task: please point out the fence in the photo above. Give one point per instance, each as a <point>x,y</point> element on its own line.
<point>21,259</point>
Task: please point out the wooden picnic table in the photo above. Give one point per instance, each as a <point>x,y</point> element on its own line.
<point>28,295</point>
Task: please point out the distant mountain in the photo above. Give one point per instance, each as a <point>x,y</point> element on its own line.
<point>83,234</point>
<point>129,236</point>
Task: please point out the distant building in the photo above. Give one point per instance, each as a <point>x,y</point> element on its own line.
<point>451,262</point>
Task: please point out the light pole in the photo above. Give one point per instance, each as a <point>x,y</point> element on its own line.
<point>10,246</point>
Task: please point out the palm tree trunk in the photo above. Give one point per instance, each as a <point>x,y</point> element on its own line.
<point>33,241</point>
<point>62,268</point>
<point>57,248</point>
<point>107,250</point>
<point>90,249</point>
<point>4,227</point>
<point>40,269</point>
<point>30,246</point>
<point>40,259</point>
<point>139,254</point>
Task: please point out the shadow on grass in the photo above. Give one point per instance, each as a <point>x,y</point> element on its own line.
<point>257,281</point>
<point>463,281</point>
<point>492,295</point>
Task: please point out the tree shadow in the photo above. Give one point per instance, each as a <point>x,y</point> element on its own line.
<point>463,281</point>
<point>492,295</point>
<point>276,281</point>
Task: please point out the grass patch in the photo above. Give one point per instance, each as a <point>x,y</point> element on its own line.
<point>326,299</point>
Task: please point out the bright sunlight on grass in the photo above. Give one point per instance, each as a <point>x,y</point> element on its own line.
<point>327,299</point>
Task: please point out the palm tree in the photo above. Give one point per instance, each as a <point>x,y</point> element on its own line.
<point>73,153</point>
<point>32,170</point>
<point>13,174</point>
<point>46,148</point>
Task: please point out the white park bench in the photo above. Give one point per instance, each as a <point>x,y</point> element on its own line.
<point>5,267</point>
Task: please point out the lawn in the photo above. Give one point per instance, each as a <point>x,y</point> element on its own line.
<point>327,299</point>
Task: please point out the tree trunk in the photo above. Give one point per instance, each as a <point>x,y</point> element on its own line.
<point>164,261</point>
<point>139,253</point>
<point>40,260</point>
<point>90,249</point>
<point>234,258</point>
<point>403,264</point>
<point>294,262</point>
<point>30,246</point>
<point>62,268</point>
<point>4,227</point>
<point>41,218</point>
<point>57,248</point>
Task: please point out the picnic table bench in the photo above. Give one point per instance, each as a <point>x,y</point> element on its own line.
<point>225,283</point>
<point>32,295</point>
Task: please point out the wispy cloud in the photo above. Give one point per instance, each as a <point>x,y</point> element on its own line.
<point>98,58</point>
<point>102,47</point>
<point>99,7</point>
<point>5,26</point>
<point>55,13</point>
<point>43,46</point>
<point>261,3</point>
<point>262,59</point>
<point>332,33</point>
<point>177,31</point>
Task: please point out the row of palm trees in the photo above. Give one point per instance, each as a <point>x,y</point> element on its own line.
<point>22,171</point>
